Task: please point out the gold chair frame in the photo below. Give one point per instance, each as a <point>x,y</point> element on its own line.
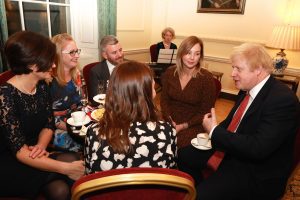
<point>135,179</point>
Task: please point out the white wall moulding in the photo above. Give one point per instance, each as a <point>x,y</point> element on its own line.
<point>217,59</point>
<point>136,51</point>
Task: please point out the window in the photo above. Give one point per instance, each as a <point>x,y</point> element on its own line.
<point>48,17</point>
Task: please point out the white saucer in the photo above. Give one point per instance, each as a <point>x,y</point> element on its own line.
<point>99,98</point>
<point>195,144</point>
<point>72,123</point>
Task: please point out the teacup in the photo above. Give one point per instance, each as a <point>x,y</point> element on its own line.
<point>202,139</point>
<point>78,116</point>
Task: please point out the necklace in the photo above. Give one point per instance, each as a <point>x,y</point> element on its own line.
<point>23,89</point>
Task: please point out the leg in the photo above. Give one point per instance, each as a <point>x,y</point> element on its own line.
<point>57,190</point>
<point>193,161</point>
<point>230,181</point>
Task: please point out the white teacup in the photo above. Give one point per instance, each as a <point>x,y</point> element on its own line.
<point>202,139</point>
<point>78,116</point>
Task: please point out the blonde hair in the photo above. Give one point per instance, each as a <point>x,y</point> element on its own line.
<point>59,73</point>
<point>255,56</point>
<point>184,48</point>
<point>168,29</point>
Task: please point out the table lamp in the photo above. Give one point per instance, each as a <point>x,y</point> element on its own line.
<point>283,37</point>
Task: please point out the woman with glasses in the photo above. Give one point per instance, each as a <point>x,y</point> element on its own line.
<point>65,89</point>
<point>26,125</point>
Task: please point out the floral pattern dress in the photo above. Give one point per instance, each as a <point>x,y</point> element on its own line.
<point>65,99</point>
<point>153,145</point>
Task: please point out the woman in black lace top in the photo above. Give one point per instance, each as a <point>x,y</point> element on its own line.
<point>26,124</point>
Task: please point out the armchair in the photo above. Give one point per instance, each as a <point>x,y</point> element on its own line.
<point>86,73</point>
<point>135,183</point>
<point>5,76</point>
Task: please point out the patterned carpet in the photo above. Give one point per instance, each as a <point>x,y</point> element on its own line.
<point>293,187</point>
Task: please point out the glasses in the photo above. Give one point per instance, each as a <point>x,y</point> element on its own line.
<point>73,52</point>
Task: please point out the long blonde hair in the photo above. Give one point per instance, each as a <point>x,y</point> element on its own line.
<point>58,72</point>
<point>184,48</point>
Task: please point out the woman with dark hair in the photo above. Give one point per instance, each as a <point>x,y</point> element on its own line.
<point>188,91</point>
<point>27,124</point>
<point>130,134</point>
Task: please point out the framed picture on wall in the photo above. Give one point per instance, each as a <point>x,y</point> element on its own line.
<point>221,6</point>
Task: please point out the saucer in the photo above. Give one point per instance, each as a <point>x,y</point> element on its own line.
<point>195,144</point>
<point>72,123</point>
<point>99,98</point>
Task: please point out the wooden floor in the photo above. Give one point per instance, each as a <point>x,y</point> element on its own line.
<point>223,107</point>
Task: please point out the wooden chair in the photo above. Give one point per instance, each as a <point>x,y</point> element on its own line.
<point>5,76</point>
<point>153,52</point>
<point>86,73</point>
<point>135,183</point>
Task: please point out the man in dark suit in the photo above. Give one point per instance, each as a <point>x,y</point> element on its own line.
<point>112,55</point>
<point>258,152</point>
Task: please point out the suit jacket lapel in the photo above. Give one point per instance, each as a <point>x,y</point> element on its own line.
<point>259,98</point>
<point>106,71</point>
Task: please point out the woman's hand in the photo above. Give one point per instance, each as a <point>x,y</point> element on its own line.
<point>179,127</point>
<point>75,170</point>
<point>37,151</point>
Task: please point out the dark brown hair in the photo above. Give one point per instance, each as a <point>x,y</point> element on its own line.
<point>129,99</point>
<point>26,48</point>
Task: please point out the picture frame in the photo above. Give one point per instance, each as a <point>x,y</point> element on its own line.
<point>221,6</point>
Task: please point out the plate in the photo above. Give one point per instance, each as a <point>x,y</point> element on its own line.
<point>99,98</point>
<point>195,144</point>
<point>97,114</point>
<point>72,123</point>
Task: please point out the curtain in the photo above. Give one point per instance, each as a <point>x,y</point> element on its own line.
<point>107,14</point>
<point>3,36</point>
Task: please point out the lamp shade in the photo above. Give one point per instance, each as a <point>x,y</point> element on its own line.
<point>285,37</point>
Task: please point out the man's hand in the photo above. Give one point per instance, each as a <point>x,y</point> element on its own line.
<point>209,121</point>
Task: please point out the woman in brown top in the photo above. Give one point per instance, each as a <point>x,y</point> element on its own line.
<point>188,91</point>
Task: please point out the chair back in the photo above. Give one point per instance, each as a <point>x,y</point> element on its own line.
<point>86,73</point>
<point>153,52</point>
<point>218,87</point>
<point>5,76</point>
<point>135,183</point>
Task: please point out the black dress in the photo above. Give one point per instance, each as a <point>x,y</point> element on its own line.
<point>23,116</point>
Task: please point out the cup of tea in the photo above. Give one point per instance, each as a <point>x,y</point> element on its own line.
<point>78,116</point>
<point>202,139</point>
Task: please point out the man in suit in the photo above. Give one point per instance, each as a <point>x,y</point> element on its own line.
<point>258,152</point>
<point>112,55</point>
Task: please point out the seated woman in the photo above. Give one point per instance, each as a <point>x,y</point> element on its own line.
<point>65,89</point>
<point>27,124</point>
<point>130,134</point>
<point>168,34</point>
<point>188,91</point>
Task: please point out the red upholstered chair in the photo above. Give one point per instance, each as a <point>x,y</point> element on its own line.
<point>153,52</point>
<point>218,87</point>
<point>135,183</point>
<point>5,76</point>
<point>86,73</point>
